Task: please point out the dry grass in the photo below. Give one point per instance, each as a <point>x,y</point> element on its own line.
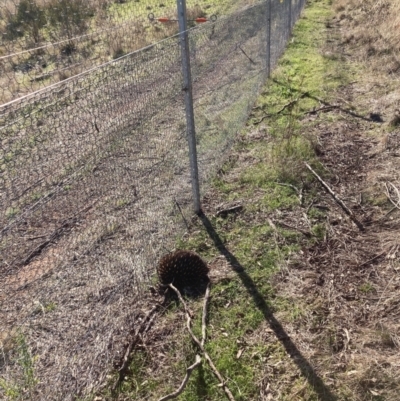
<point>344,290</point>
<point>373,27</point>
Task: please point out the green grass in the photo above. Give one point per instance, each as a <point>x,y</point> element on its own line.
<point>20,388</point>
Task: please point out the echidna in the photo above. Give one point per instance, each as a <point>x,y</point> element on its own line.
<point>182,269</point>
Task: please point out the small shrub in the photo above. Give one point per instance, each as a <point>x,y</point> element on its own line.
<point>69,17</point>
<point>28,20</point>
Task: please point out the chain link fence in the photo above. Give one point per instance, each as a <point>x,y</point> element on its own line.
<point>95,186</point>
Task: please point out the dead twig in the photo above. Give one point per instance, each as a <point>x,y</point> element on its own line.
<point>67,223</point>
<point>251,61</point>
<point>337,200</point>
<point>183,216</point>
<point>323,108</point>
<point>290,104</point>
<point>204,317</point>
<point>283,184</point>
<point>388,213</point>
<point>373,259</point>
<point>201,347</point>
<point>38,250</point>
<point>190,369</point>
<point>271,223</point>
<point>179,391</point>
<point>298,191</point>
<point>231,209</point>
<point>304,232</point>
<point>394,202</point>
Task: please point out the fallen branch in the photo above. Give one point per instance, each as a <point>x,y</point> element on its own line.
<point>337,200</point>
<point>283,184</point>
<point>179,391</point>
<point>251,61</point>
<point>183,216</point>
<point>387,214</point>
<point>67,223</point>
<point>190,369</point>
<point>199,344</point>
<point>272,224</point>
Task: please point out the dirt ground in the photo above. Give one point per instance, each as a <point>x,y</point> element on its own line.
<point>346,285</point>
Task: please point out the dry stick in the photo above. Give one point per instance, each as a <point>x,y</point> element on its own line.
<point>180,211</point>
<point>283,184</point>
<point>372,259</point>
<point>204,318</point>
<point>300,230</point>
<point>232,209</point>
<point>387,214</point>
<point>291,103</point>
<point>395,203</point>
<point>337,200</point>
<point>298,191</point>
<point>198,343</point>
<point>179,391</point>
<point>323,108</point>
<point>54,235</point>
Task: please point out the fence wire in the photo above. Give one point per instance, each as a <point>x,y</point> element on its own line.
<point>95,187</point>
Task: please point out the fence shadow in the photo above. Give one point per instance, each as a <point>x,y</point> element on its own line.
<point>305,367</point>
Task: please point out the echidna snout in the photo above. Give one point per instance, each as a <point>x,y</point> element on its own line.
<point>182,269</point>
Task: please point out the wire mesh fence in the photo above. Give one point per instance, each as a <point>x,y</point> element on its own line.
<point>95,186</point>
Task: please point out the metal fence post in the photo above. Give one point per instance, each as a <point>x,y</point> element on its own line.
<point>290,18</point>
<point>269,21</point>
<point>187,87</point>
